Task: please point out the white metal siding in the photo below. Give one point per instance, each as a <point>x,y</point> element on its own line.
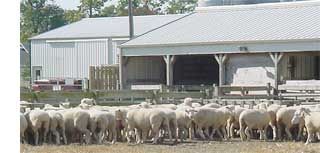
<point>68,59</point>
<point>249,69</point>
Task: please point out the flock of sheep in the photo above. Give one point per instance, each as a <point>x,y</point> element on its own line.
<point>92,124</point>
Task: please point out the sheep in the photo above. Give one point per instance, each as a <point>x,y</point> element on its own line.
<point>99,124</point>
<point>187,102</point>
<point>57,121</point>
<point>173,125</point>
<point>254,118</point>
<point>50,107</point>
<point>77,120</point>
<point>211,105</point>
<point>144,120</point>
<point>169,106</point>
<point>194,105</point>
<point>283,118</point>
<point>38,119</point>
<point>233,122</point>
<point>183,122</point>
<point>88,101</point>
<point>209,117</point>
<point>311,120</point>
<point>272,110</point>
<point>23,127</point>
<point>121,123</point>
<point>64,105</point>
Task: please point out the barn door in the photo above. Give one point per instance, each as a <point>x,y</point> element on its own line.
<point>36,72</point>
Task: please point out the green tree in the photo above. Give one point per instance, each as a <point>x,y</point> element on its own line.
<point>91,7</point>
<point>36,16</point>
<point>108,11</point>
<point>140,7</point>
<point>181,6</point>
<point>72,16</point>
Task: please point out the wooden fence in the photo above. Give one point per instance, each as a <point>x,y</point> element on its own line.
<point>104,77</point>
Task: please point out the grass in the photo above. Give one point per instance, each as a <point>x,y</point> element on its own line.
<point>254,146</point>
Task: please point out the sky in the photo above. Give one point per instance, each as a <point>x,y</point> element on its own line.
<point>72,4</point>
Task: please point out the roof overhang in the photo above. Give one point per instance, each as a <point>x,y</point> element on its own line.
<point>217,48</point>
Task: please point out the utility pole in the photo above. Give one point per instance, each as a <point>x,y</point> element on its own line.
<point>131,33</point>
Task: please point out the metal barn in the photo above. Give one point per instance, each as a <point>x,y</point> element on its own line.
<point>68,51</point>
<point>228,45</point>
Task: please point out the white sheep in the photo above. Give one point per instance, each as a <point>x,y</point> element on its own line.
<point>272,110</point>
<point>208,117</point>
<point>311,120</point>
<point>144,120</point>
<point>184,123</point>
<point>253,119</point>
<point>211,105</point>
<point>283,118</point>
<point>233,122</point>
<point>57,121</point>
<point>38,119</point>
<point>77,120</point>
<point>98,125</point>
<point>23,127</point>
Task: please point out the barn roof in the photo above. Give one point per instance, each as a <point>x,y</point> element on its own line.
<point>220,25</point>
<point>107,27</point>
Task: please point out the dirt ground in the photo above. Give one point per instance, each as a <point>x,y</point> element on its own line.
<point>233,146</point>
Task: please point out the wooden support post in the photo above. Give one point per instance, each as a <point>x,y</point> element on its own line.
<point>169,60</point>
<point>120,70</point>
<point>276,57</point>
<point>221,59</point>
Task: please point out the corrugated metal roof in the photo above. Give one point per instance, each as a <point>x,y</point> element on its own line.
<point>229,24</point>
<point>107,27</point>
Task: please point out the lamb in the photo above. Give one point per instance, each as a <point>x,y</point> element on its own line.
<point>38,119</point>
<point>173,125</point>
<point>254,119</point>
<point>88,101</point>
<point>169,106</point>
<point>144,120</point>
<point>121,123</point>
<point>283,118</point>
<point>57,121</point>
<point>23,127</point>
<point>194,105</point>
<point>50,107</point>
<point>311,120</point>
<point>77,120</point>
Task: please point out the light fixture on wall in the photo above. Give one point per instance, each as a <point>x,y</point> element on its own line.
<point>243,48</point>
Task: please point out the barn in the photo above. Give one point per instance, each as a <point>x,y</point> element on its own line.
<point>68,51</point>
<point>237,45</point>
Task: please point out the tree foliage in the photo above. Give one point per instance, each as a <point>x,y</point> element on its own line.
<point>72,16</point>
<point>36,16</point>
<point>181,6</point>
<point>91,7</point>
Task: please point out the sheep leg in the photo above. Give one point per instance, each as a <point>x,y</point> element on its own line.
<point>206,132</point>
<point>300,132</point>
<point>63,133</point>
<point>219,133</point>
<point>224,131</point>
<point>181,133</point>
<point>212,133</point>
<point>200,132</point>
<point>288,133</point>
<point>274,132</point>
<point>261,134</point>
<point>56,134</point>
<point>242,134</point>
<point>46,130</point>
<point>279,132</point>
<point>231,129</point>
<point>309,136</point>
<point>36,136</point>
<point>265,133</point>
<point>138,136</point>
<point>247,132</point>
<point>114,134</point>
<point>156,136</point>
